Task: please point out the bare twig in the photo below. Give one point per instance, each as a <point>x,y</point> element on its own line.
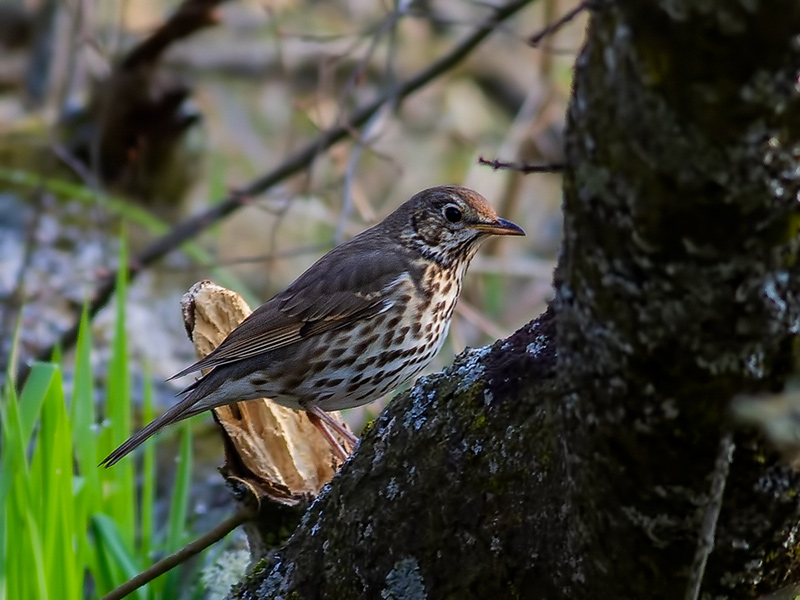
<point>474,316</point>
<point>361,142</point>
<point>278,255</point>
<point>190,16</point>
<point>544,168</point>
<point>373,126</point>
<point>295,163</point>
<point>552,28</point>
<point>182,555</point>
<point>705,542</point>
<point>62,153</point>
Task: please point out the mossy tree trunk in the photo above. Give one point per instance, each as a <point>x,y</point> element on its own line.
<point>579,458</point>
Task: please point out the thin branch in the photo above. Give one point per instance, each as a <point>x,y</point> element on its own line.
<point>362,142</point>
<point>191,16</point>
<point>282,254</point>
<point>473,315</point>
<point>182,555</point>
<point>73,163</point>
<point>300,160</point>
<point>552,28</point>
<point>705,542</point>
<point>526,169</point>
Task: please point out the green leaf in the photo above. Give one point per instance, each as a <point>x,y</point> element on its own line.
<point>58,520</point>
<point>118,482</point>
<point>179,508</point>
<point>38,581</point>
<point>83,418</point>
<point>148,475</point>
<point>114,550</point>
<point>33,395</point>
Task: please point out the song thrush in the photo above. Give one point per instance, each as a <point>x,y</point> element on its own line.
<point>365,318</point>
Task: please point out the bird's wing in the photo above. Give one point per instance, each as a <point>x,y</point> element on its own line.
<point>339,289</point>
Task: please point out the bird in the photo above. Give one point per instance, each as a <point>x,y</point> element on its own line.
<point>364,319</point>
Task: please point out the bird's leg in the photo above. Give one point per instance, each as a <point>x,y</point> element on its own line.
<point>322,419</point>
<point>337,448</point>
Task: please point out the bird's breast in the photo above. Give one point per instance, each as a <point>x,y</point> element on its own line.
<point>358,364</point>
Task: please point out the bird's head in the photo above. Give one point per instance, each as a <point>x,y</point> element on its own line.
<point>447,223</point>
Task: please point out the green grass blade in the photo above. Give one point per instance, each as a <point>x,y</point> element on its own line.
<point>33,395</point>
<point>114,551</point>
<point>87,490</point>
<point>119,481</point>
<point>63,519</point>
<point>148,476</point>
<point>49,472</point>
<point>23,568</point>
<point>18,418</point>
<point>31,492</point>
<point>14,444</point>
<point>82,415</point>
<point>52,480</point>
<point>39,581</point>
<point>12,455</point>
<point>3,552</point>
<point>181,494</point>
<point>182,491</point>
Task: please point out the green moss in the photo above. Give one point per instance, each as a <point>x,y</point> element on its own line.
<point>259,566</point>
<point>251,578</point>
<point>368,427</point>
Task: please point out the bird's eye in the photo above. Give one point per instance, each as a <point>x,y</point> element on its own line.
<point>452,214</point>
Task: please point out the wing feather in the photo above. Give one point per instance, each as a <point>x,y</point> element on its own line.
<point>346,285</point>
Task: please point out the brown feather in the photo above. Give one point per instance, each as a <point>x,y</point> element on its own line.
<point>177,412</point>
<point>320,300</point>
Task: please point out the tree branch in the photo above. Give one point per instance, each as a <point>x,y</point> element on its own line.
<point>181,556</point>
<point>522,168</point>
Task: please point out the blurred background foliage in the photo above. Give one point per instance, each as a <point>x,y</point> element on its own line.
<point>106,136</point>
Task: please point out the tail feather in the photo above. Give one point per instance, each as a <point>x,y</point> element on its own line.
<point>190,369</point>
<point>180,411</point>
<point>200,396</point>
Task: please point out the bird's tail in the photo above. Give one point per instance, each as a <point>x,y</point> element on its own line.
<point>180,411</point>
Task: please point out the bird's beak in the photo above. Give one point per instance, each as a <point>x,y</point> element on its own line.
<point>499,227</point>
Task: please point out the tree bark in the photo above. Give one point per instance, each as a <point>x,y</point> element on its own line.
<point>587,454</point>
